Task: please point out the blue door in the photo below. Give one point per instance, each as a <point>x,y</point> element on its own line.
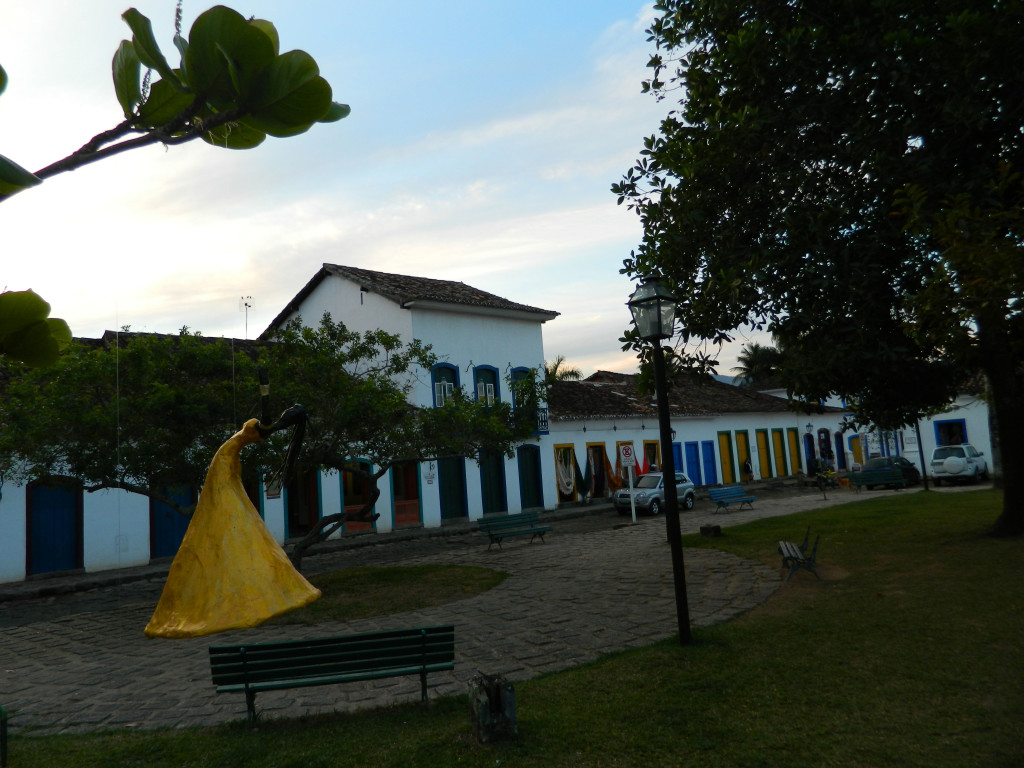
<point>167,525</point>
<point>693,463</point>
<point>677,457</point>
<point>54,527</point>
<point>710,465</point>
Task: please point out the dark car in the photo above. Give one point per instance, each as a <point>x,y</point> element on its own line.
<point>910,473</point>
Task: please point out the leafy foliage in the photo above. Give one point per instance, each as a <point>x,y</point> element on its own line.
<point>358,389</point>
<point>847,177</point>
<point>27,332</point>
<point>133,411</point>
<point>146,411</point>
<point>232,88</point>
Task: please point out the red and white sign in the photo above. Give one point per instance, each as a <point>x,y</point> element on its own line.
<point>628,457</point>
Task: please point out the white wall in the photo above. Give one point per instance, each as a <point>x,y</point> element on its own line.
<point>115,530</point>
<point>13,522</point>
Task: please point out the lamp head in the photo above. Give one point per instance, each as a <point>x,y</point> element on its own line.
<point>654,309</point>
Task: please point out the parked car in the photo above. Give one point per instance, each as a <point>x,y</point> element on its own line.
<point>880,464</point>
<point>958,462</point>
<point>649,494</point>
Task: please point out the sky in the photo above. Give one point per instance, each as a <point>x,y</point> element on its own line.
<point>482,144</point>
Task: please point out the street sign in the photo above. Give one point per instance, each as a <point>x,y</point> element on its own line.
<point>628,458</point>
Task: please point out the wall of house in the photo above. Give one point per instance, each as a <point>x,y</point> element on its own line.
<point>359,310</point>
<point>14,524</point>
<point>712,448</point>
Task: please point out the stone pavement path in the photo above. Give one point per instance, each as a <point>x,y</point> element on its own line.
<point>80,662</point>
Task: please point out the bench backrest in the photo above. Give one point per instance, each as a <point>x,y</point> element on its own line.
<point>502,522</point>
<point>423,647</point>
<point>729,491</point>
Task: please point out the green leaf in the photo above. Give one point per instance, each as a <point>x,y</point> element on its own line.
<point>14,178</point>
<point>146,47</point>
<point>336,112</point>
<point>270,31</point>
<point>127,71</point>
<point>235,136</point>
<point>292,96</point>
<point>26,332</point>
<point>165,103</point>
<point>225,57</point>
<point>3,80</point>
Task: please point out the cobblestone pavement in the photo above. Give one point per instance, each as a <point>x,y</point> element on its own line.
<point>79,661</point>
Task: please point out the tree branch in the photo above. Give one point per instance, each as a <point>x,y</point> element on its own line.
<point>168,134</point>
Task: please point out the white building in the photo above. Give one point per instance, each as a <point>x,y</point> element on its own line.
<point>480,340</point>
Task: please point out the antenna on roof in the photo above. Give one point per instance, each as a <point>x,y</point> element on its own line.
<point>244,305</point>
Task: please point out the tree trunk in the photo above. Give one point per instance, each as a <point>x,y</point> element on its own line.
<point>1007,402</point>
<point>328,525</point>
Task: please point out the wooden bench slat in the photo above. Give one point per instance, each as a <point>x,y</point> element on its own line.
<point>501,527</point>
<point>731,494</point>
<point>326,661</point>
<point>796,556</point>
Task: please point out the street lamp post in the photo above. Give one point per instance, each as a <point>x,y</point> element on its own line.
<point>653,308</point>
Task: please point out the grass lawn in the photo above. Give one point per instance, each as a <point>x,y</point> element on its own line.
<point>906,653</point>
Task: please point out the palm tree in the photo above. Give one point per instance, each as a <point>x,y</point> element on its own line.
<point>555,372</point>
<point>758,364</point>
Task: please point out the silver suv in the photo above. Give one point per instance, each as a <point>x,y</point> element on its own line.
<point>649,494</point>
<point>958,462</point>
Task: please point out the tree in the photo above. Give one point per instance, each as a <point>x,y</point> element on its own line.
<point>558,371</point>
<point>139,412</point>
<point>147,412</point>
<point>847,176</point>
<point>232,89</point>
<point>758,365</point>
<point>357,389</point>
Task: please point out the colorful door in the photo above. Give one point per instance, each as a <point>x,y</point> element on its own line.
<point>707,448</point>
<point>764,453</point>
<point>793,436</point>
<point>302,502</point>
<point>355,495</point>
<point>54,527</point>
<point>725,451</point>
<point>810,460</point>
<point>743,456</point>
<point>779,449</point>
<point>405,490</point>
<point>856,449</point>
<point>565,470</point>
<point>492,483</point>
<point>451,481</point>
<point>167,525</point>
<point>692,462</point>
<point>530,493</point>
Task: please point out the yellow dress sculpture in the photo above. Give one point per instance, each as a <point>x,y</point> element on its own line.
<point>230,572</point>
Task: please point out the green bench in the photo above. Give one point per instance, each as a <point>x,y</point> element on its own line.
<point>731,494</point>
<point>796,557</point>
<point>872,477</point>
<point>498,527</point>
<point>251,669</point>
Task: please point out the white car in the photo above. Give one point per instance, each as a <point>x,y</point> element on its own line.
<point>958,462</point>
<point>649,494</point>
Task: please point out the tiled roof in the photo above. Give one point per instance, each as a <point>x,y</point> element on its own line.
<point>610,395</point>
<point>406,290</point>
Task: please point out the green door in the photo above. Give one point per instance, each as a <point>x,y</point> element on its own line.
<point>451,479</point>
<point>530,492</point>
<point>492,483</point>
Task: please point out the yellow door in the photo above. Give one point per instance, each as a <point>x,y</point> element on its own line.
<point>726,452</point>
<point>764,454</point>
